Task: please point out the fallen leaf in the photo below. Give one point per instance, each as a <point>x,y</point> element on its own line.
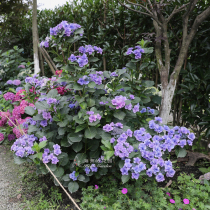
<point>19,196</point>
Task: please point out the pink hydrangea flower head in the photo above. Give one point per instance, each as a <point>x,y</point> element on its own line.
<point>186,201</point>
<point>9,96</point>
<point>11,122</point>
<point>96,187</point>
<point>172,201</point>
<point>124,191</point>
<point>1,136</point>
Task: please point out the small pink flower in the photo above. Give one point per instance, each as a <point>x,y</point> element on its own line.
<point>186,201</point>
<point>124,191</point>
<point>168,194</point>
<point>172,201</point>
<point>96,187</point>
<point>193,209</point>
<point>104,207</point>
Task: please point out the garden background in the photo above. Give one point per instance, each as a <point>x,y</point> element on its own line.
<point>114,28</point>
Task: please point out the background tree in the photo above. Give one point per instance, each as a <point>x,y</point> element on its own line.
<point>12,14</point>
<point>162,12</point>
<point>35,38</point>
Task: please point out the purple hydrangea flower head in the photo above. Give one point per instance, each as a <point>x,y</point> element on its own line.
<point>87,170</point>
<point>10,82</point>
<point>114,74</point>
<point>112,140</point>
<point>72,58</point>
<point>129,51</point>
<point>129,107</point>
<point>119,101</point>
<point>152,111</point>
<point>43,123</point>
<point>93,168</point>
<point>72,176</point>
<point>90,112</point>
<point>46,115</point>
<point>51,101</point>
<point>191,136</point>
<point>107,128</point>
<point>71,106</point>
<point>160,177</point>
<point>132,97</point>
<point>129,133</point>
<point>136,108</point>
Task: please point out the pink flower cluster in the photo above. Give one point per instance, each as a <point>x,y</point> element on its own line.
<point>3,118</point>
<point>61,90</point>
<point>185,200</point>
<point>119,101</point>
<point>1,136</point>
<point>9,96</point>
<point>16,130</point>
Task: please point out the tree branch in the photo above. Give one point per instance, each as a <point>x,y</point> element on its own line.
<point>176,11</point>
<point>198,21</point>
<point>144,13</point>
<point>150,4</point>
<point>140,5</point>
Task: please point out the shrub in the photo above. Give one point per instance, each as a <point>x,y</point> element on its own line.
<point>100,117</point>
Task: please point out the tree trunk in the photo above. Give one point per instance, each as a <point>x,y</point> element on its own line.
<point>35,38</point>
<point>167,97</point>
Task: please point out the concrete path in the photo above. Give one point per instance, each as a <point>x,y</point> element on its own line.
<point>10,181</point>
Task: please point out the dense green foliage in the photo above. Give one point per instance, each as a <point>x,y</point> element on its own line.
<point>145,194</point>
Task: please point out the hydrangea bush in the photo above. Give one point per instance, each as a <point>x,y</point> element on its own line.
<point>97,124</point>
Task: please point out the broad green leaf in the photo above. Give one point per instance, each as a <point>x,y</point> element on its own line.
<point>80,158</point>
<point>108,154</point>
<point>106,136</point>
<point>91,84</point>
<point>42,105</point>
<point>73,187</point>
<point>77,146</point>
<point>119,114</point>
<point>180,152</point>
<point>29,110</point>
<point>83,105</point>
<point>80,127</point>
<point>61,131</point>
<point>81,178</point>
<point>59,172</point>
<point>19,160</point>
<point>107,144</point>
<point>63,123</point>
<point>42,144</point>
<point>93,59</point>
<point>52,93</point>
<point>125,178</point>
<point>90,102</point>
<point>63,159</point>
<point>66,178</point>
<point>90,132</point>
<point>52,167</point>
<point>74,137</point>
<point>77,87</point>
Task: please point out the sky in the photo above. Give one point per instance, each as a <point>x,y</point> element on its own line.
<point>50,4</point>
